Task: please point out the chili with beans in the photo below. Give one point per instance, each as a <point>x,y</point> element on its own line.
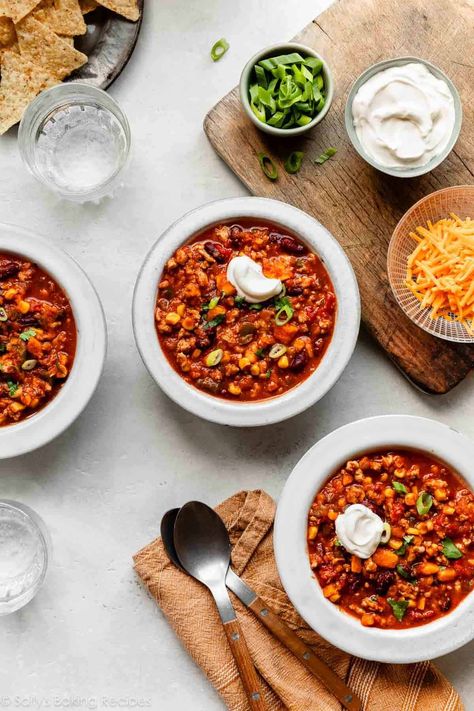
<point>37,338</point>
<point>427,565</point>
<point>233,349</point>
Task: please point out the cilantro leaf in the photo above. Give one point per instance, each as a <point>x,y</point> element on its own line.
<point>12,388</point>
<point>450,550</point>
<point>403,548</point>
<point>26,335</point>
<point>214,322</point>
<point>399,607</point>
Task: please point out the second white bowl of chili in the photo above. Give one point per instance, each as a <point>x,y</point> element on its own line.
<point>225,354</point>
<point>411,598</point>
<point>52,341</point>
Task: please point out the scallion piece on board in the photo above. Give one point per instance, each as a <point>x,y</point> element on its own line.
<point>219,49</point>
<point>294,161</point>
<point>268,166</point>
<point>328,153</point>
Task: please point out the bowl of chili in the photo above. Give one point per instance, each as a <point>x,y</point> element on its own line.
<point>52,341</point>
<point>236,359</point>
<point>410,599</point>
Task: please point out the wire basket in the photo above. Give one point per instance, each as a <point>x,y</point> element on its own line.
<point>434,207</point>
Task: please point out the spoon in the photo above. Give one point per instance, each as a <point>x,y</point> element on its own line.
<point>203,548</point>
<point>271,621</point>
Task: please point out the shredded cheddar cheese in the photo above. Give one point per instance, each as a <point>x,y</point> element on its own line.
<point>440,271</point>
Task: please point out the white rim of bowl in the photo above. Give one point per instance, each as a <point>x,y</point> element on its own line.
<point>40,428</point>
<point>312,471</point>
<point>244,88</point>
<point>349,123</point>
<point>421,317</point>
<point>340,349</point>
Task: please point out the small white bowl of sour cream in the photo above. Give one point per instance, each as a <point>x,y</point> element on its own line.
<point>403,116</point>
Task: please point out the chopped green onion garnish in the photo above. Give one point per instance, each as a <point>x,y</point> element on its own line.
<point>423,503</point>
<point>326,156</point>
<point>294,161</point>
<point>287,90</point>
<point>386,533</point>
<point>268,166</point>
<point>29,333</point>
<point>239,301</point>
<point>3,314</point>
<point>399,488</point>
<point>12,388</point>
<point>399,607</point>
<point>214,357</point>
<point>284,315</point>
<point>29,364</point>
<point>219,49</point>
<point>450,550</point>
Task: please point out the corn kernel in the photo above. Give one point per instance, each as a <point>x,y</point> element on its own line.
<point>181,309</point>
<point>172,318</point>
<point>10,294</point>
<point>347,479</point>
<point>421,603</point>
<point>234,389</point>
<point>410,499</point>
<point>255,370</point>
<point>23,307</point>
<point>312,532</point>
<point>389,493</point>
<point>283,362</point>
<point>440,495</point>
<point>367,620</point>
<point>243,363</point>
<point>332,515</point>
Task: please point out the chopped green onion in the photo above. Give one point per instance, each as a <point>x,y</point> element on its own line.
<point>328,153</point>
<point>3,314</point>
<point>277,350</point>
<point>403,548</point>
<point>399,607</point>
<point>294,161</point>
<point>219,49</point>
<point>256,307</point>
<point>212,304</point>
<point>386,533</point>
<point>214,357</point>
<point>399,488</point>
<point>287,90</point>
<point>450,550</point>
<point>268,166</point>
<point>29,364</point>
<point>423,503</point>
<point>29,333</point>
<point>284,315</point>
<point>12,388</point>
<point>239,301</point>
<point>215,321</point>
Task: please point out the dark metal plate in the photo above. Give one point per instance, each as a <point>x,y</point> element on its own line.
<point>109,43</point>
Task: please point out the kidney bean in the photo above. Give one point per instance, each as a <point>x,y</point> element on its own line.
<point>445,603</point>
<point>28,320</point>
<point>236,235</point>
<point>217,251</point>
<point>287,243</point>
<point>383,581</point>
<point>299,361</point>
<point>8,268</point>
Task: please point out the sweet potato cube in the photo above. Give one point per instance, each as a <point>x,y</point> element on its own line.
<point>385,558</point>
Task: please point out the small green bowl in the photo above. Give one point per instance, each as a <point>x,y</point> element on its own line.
<point>276,50</point>
<point>436,160</point>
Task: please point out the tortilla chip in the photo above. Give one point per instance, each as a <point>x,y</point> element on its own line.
<point>62,16</point>
<point>7,32</point>
<point>69,40</point>
<point>45,49</point>
<point>88,6</point>
<point>21,82</point>
<point>17,9</point>
<point>127,8</point>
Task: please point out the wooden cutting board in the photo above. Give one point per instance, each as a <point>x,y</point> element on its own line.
<point>359,205</point>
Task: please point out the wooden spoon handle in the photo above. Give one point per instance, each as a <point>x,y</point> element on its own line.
<point>306,655</point>
<point>247,671</point>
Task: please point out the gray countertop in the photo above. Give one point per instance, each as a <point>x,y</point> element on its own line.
<point>93,636</point>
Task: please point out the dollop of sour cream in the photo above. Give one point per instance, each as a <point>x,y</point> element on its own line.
<point>404,116</point>
<point>249,281</point>
<point>359,530</point>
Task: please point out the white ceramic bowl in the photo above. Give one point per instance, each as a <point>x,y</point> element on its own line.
<point>318,464</point>
<point>336,357</point>
<point>62,410</point>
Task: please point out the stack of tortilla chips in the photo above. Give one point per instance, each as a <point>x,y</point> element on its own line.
<point>37,47</point>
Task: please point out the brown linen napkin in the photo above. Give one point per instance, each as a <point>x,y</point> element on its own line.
<point>287,684</point>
